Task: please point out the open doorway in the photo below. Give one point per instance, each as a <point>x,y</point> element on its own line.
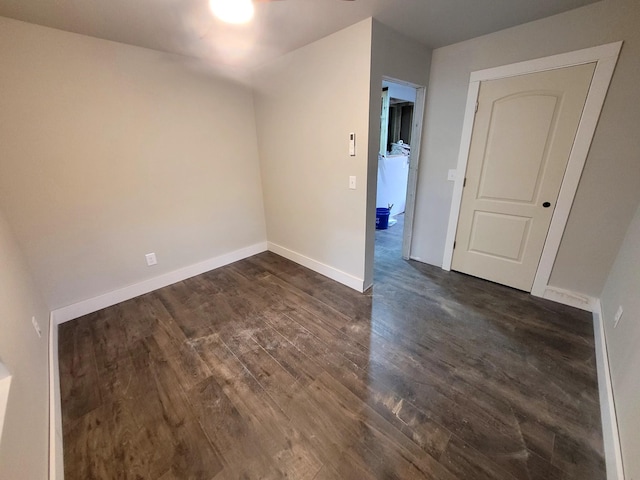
<point>401,114</point>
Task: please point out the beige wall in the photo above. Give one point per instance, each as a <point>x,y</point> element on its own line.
<point>610,186</point>
<point>623,289</point>
<point>392,56</point>
<point>109,151</point>
<point>24,444</point>
<point>307,102</point>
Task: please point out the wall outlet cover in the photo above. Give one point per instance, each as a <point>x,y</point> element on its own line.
<point>151,259</point>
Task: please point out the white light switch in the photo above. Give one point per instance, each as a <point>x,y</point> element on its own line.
<point>352,183</point>
<point>451,176</point>
<point>352,145</point>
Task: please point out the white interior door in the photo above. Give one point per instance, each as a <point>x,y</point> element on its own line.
<point>522,136</point>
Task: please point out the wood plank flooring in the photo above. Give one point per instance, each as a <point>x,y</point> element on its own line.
<point>266,370</point>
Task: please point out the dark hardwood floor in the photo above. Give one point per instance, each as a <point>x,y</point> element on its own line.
<point>263,370</point>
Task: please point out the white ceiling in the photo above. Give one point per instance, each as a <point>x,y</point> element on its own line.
<point>186,26</point>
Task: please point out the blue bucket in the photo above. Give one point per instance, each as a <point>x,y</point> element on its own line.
<point>382,218</point>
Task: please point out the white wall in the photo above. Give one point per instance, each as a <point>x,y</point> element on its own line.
<point>24,444</point>
<point>610,184</point>
<point>623,344</point>
<point>109,151</point>
<point>307,102</point>
<point>393,56</point>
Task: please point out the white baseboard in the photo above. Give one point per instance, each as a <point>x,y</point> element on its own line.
<point>94,304</point>
<point>612,451</point>
<point>567,297</point>
<point>323,269</point>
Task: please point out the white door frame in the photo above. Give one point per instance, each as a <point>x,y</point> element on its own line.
<point>414,161</point>
<point>606,57</point>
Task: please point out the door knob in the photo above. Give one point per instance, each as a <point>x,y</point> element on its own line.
<point>546,204</point>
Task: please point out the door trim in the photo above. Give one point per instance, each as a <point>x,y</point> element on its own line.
<point>605,57</point>
<point>414,161</point>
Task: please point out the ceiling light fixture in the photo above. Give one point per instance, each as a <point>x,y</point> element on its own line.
<point>232,11</point>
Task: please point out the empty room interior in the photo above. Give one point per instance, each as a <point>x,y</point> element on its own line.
<point>305,239</point>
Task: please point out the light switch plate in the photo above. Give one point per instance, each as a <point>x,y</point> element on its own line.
<point>352,144</point>
<point>352,183</point>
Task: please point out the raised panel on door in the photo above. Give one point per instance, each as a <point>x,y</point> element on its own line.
<point>522,137</point>
<point>508,138</point>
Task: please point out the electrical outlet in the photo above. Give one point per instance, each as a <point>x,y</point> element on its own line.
<point>151,259</point>
<point>34,322</point>
<point>618,316</point>
<point>451,175</point>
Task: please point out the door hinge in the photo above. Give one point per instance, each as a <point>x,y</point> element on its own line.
<point>464,183</point>
<point>454,244</point>
<point>477,103</point>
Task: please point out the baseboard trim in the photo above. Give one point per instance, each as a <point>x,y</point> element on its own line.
<point>94,304</point>
<point>613,453</point>
<point>567,297</point>
<point>319,267</point>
